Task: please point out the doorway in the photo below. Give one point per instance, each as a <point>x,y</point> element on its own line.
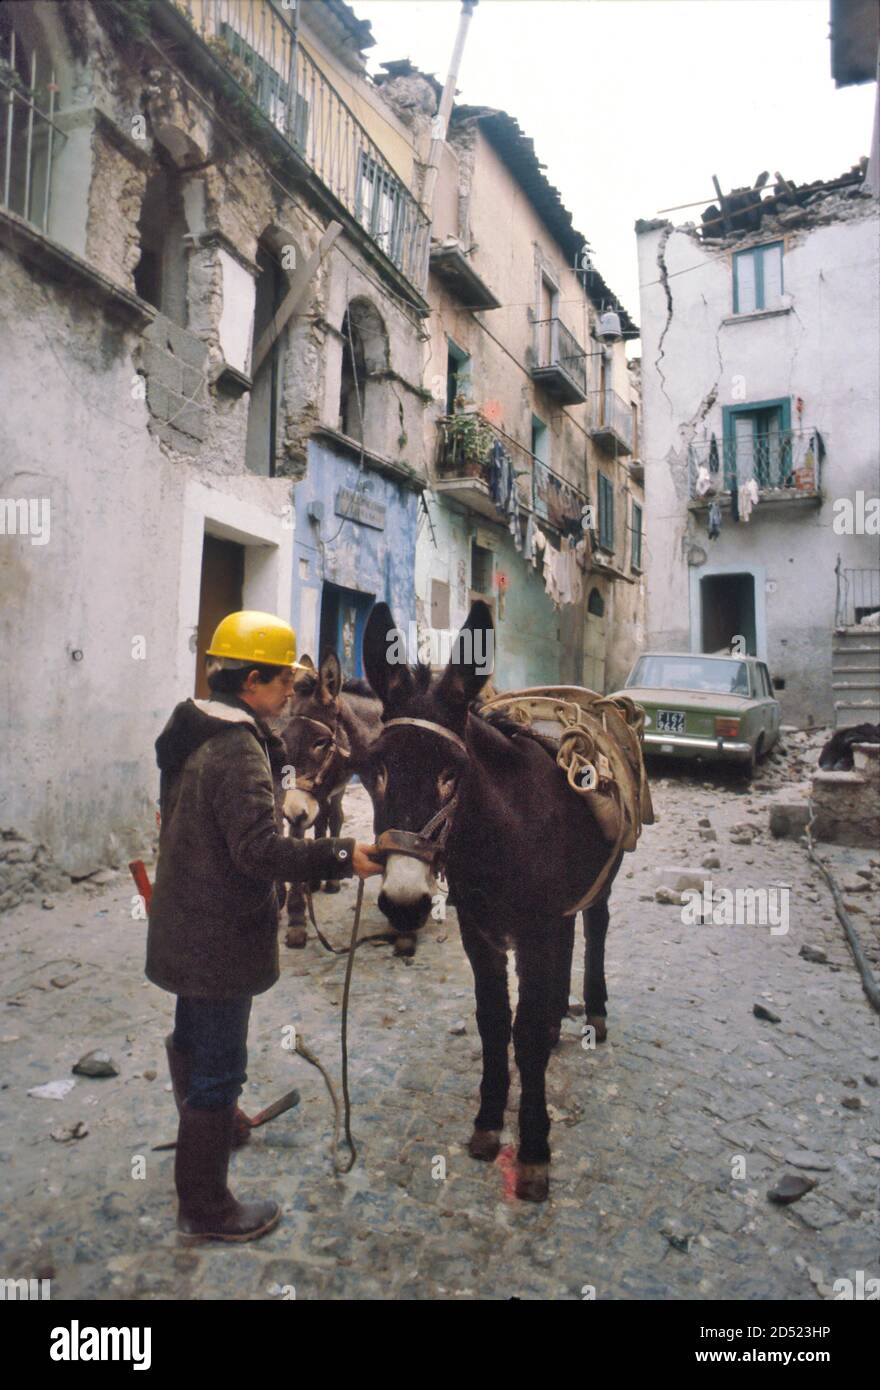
<point>727,607</point>
<point>344,614</point>
<point>220,593</point>
<point>594,643</point>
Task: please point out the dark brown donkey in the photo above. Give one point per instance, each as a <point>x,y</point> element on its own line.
<point>521,849</point>
<point>327,734</point>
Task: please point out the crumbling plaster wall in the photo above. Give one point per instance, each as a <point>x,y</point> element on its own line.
<point>696,358</point>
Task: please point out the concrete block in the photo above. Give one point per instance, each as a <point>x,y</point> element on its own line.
<point>193,385</point>
<point>680,878</point>
<point>161,365</point>
<point>185,345</point>
<point>788,819</point>
<point>190,419</point>
<point>162,401</point>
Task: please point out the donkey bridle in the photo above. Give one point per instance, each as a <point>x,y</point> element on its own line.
<point>308,784</point>
<point>430,842</point>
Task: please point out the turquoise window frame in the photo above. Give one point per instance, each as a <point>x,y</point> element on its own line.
<point>637,519</point>
<point>757,254</point>
<point>606,513</point>
<point>729,415</point>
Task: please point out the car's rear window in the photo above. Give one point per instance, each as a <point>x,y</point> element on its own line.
<point>692,673</point>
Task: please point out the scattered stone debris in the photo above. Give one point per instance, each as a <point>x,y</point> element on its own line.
<point>805,1158</point>
<point>68,1132</point>
<point>790,1188</point>
<point>851,1102</point>
<point>52,1090</point>
<point>149,1075</point>
<point>816,954</point>
<point>667,895</point>
<point>62,981</point>
<point>868,1077</point>
<point>97,1063</point>
<point>47,905</point>
<point>761,1011</point>
<point>458,1029</point>
<point>710,861</point>
<point>709,835</point>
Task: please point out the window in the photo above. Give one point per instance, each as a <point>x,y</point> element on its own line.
<point>458,376</point>
<point>606,513</point>
<point>353,383</point>
<point>160,276</point>
<point>757,278</point>
<point>481,569</point>
<point>29,137</point>
<point>757,444</point>
<point>637,537</point>
<point>365,407</point>
<point>379,206</point>
<point>540,440</point>
<point>596,604</point>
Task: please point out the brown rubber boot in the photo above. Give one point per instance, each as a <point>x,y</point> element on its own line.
<point>207,1209</point>
<point>178,1065</point>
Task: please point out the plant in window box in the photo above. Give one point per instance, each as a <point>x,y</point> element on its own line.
<point>468,441</point>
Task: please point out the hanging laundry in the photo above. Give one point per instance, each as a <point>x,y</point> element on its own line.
<point>714,463</point>
<point>714,521</point>
<point>528,545</point>
<point>748,498</point>
<point>704,481</point>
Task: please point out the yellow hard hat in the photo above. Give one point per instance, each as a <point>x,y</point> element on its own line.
<point>252,636</point>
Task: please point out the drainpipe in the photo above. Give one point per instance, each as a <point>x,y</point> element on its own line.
<point>441,120</point>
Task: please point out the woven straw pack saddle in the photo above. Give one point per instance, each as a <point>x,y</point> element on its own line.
<point>597,743</point>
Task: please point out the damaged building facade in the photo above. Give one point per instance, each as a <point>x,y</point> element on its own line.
<point>535,500</point>
<point>759,382</point>
<point>212,278</point>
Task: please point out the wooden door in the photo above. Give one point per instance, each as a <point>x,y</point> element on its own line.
<point>220,593</point>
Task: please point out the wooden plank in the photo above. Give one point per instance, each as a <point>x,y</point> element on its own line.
<point>722,202</point>
<point>294,297</point>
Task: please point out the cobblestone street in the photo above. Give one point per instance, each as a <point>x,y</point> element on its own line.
<point>665,1139</point>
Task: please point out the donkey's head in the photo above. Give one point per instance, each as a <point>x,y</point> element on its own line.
<point>315,743</point>
<point>418,759</point>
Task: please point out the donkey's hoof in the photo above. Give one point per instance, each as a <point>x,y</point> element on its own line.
<point>533,1182</point>
<point>404,945</point>
<point>598,1021</point>
<point>485,1144</point>
<point>554,1033</point>
<point>295,938</point>
<point>332,886</point>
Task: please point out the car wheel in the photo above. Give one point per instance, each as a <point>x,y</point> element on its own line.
<point>760,750</point>
<point>747,767</point>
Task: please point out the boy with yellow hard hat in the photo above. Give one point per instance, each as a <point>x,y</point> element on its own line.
<point>213,924</point>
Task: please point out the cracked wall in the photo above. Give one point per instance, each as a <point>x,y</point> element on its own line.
<point>819,350</point>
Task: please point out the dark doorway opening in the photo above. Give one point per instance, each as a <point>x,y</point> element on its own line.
<point>220,593</point>
<point>344,614</point>
<point>727,603</point>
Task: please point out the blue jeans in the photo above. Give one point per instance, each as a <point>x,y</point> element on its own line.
<point>213,1034</point>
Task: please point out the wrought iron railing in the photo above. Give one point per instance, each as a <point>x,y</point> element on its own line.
<point>783,463</point>
<point>28,133</point>
<point>468,447</point>
<point>257,44</point>
<point>610,412</point>
<point>555,346</point>
<point>858,594</point>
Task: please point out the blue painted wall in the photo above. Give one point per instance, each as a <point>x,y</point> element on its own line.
<point>355,556</point>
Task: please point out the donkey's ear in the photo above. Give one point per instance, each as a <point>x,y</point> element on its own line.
<point>306,660</point>
<point>385,660</point>
<point>330,678</point>
<point>471,661</point>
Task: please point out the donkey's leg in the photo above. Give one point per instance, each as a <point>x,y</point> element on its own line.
<point>489,965</point>
<point>595,993</point>
<point>535,965</point>
<point>335,817</point>
<point>562,980</point>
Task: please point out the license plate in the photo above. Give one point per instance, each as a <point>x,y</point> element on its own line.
<point>670,722</point>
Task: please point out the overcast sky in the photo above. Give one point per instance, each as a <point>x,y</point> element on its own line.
<point>633,105</point>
